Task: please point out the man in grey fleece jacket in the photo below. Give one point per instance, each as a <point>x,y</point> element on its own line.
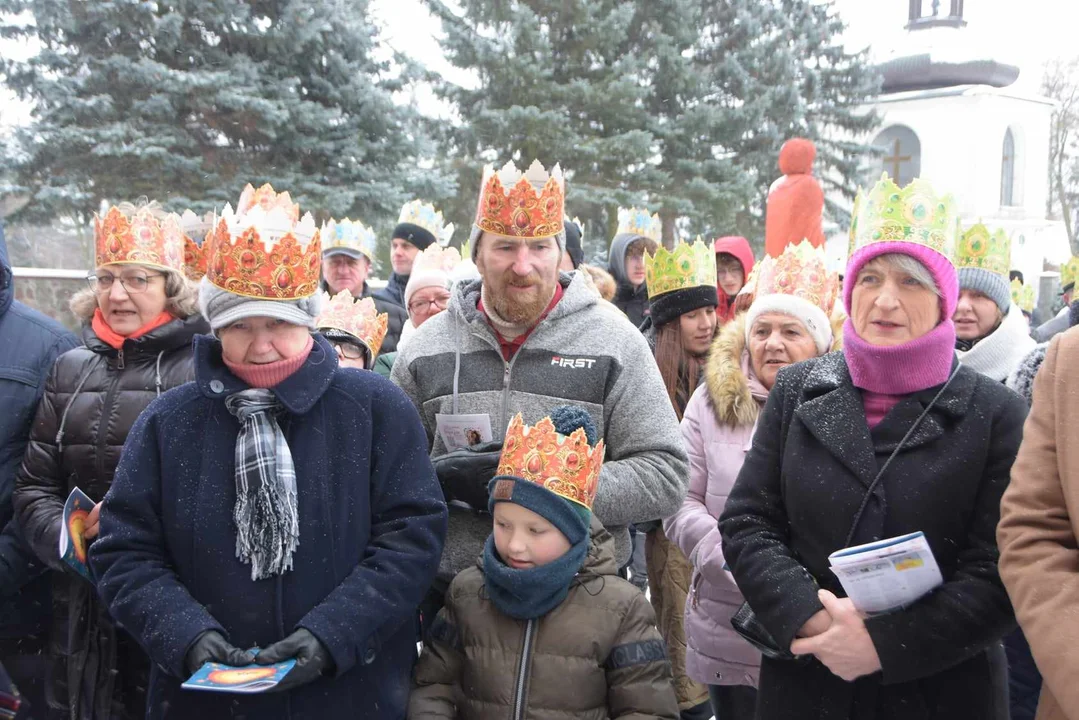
<point>583,352</point>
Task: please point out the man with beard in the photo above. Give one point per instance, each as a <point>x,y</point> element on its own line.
<point>524,339</point>
<point>348,249</point>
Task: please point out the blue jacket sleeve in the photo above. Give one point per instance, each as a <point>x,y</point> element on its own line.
<point>408,531</point>
<point>130,561</point>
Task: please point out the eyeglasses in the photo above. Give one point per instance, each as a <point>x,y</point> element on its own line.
<point>732,270</point>
<point>349,351</point>
<point>438,303</point>
<point>132,284</point>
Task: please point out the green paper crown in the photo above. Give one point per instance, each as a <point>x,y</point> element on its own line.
<point>914,214</point>
<point>978,248</point>
<point>1069,272</point>
<point>1023,296</point>
<point>686,267</point>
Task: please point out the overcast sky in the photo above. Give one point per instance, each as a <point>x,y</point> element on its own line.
<point>1025,33</point>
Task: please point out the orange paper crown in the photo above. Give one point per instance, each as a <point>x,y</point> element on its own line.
<point>196,229</point>
<point>801,270</point>
<point>565,465</point>
<point>264,249</point>
<point>142,238</point>
<point>528,205</point>
<point>359,319</point>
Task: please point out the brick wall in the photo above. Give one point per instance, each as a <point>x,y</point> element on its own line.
<point>58,246</point>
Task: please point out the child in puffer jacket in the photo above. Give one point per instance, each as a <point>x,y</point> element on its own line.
<point>543,627</point>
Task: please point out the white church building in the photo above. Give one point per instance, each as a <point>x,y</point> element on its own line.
<point>950,113</point>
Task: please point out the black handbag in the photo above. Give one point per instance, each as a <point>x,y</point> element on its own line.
<point>745,621</point>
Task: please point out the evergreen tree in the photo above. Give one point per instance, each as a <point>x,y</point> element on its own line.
<point>679,104</point>
<point>184,101</point>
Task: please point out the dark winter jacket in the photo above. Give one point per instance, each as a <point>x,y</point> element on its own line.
<point>1022,377</point>
<point>633,301</point>
<point>92,398</point>
<point>29,345</point>
<point>372,522</point>
<point>813,458</point>
<point>394,292</point>
<point>597,655</point>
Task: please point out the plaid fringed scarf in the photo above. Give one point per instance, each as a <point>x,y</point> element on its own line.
<point>267,523</point>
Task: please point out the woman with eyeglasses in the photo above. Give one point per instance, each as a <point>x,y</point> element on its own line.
<point>140,320</point>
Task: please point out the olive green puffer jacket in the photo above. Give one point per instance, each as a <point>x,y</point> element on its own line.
<point>597,655</point>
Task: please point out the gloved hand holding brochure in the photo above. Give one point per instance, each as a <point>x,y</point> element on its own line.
<point>888,574</point>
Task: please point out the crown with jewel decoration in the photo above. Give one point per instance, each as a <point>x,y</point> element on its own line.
<point>637,221</point>
<point>914,214</point>
<point>348,235</point>
<point>527,205</point>
<point>1023,296</point>
<point>360,319</point>
<point>801,271</point>
<point>144,237</point>
<point>436,257</point>
<point>196,229</point>
<point>978,248</point>
<point>564,464</point>
<point>685,267</point>
<point>425,216</point>
<point>1069,272</point>
<point>264,249</point>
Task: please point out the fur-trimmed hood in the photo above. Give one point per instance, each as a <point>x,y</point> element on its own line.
<point>728,386</point>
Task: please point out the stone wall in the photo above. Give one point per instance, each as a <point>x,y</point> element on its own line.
<point>59,246</point>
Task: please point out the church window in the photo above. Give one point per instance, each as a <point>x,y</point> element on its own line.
<point>901,153</point>
<point>1007,170</point>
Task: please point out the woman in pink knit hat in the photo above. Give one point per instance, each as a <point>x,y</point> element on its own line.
<point>888,437</point>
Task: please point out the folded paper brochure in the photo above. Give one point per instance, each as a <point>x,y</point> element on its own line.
<point>888,574</point>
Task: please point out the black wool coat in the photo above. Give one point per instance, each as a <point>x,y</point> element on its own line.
<point>812,461</point>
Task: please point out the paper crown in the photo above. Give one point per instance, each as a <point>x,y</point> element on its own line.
<point>1069,272</point>
<point>566,465</point>
<point>801,271</point>
<point>978,248</point>
<point>516,204</point>
<point>196,229</point>
<point>424,214</point>
<point>687,266</point>
<point>349,235</point>
<point>914,214</point>
<point>264,249</point>
<point>1023,296</point>
<point>637,221</point>
<point>145,237</point>
<point>359,319</point>
<point>436,257</point>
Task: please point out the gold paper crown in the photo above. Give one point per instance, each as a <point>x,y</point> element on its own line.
<point>528,205</point>
<point>1023,296</point>
<point>359,319</point>
<point>265,250</point>
<point>196,229</point>
<point>978,248</point>
<point>637,221</point>
<point>436,257</point>
<point>143,238</point>
<point>914,214</point>
<point>349,235</point>
<point>801,271</point>
<point>424,214</point>
<point>1069,272</point>
<point>687,266</point>
<point>565,465</point>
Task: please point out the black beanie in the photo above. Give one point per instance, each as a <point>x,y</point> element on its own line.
<point>419,236</point>
<point>670,306</point>
<point>573,243</point>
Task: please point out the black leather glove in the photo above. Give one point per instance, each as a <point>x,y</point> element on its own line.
<point>313,660</point>
<point>211,646</point>
<point>464,473</point>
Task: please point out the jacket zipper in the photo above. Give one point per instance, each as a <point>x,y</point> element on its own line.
<point>103,420</point>
<point>522,678</point>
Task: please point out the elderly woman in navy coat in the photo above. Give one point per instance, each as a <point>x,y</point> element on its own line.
<point>277,502</point>
<point>830,425</point>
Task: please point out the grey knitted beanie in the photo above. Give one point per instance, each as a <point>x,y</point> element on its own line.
<point>221,308</point>
<point>990,284</point>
